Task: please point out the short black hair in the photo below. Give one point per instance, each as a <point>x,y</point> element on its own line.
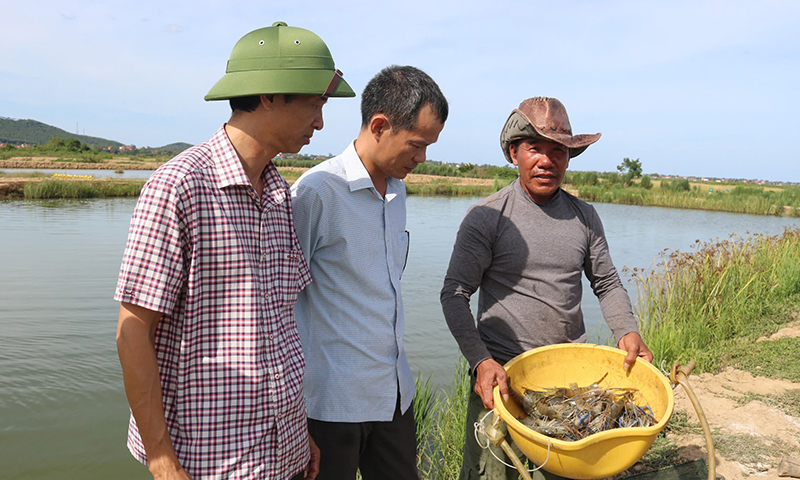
<point>251,102</point>
<point>245,104</point>
<point>400,92</point>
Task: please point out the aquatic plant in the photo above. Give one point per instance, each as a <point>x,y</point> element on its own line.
<point>439,447</point>
<point>698,304</point>
<point>49,188</point>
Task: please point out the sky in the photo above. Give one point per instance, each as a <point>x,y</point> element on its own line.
<point>694,88</point>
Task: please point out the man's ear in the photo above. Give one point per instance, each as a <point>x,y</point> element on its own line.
<point>378,126</point>
<point>268,102</point>
<point>512,152</point>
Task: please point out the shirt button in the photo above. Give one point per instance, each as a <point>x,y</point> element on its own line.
<point>272,336</point>
<point>277,376</point>
<point>264,256</point>
<point>266,296</point>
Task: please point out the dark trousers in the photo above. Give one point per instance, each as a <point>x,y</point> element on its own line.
<point>381,450</point>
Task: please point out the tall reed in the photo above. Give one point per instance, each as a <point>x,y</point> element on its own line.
<point>694,304</point>
<point>441,433</point>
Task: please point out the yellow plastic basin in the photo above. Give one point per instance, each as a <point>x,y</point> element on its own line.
<point>602,454</point>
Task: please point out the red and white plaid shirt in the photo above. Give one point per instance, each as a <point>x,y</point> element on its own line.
<point>224,267</point>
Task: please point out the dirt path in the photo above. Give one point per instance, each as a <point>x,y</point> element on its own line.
<point>756,434</point>
<point>46,163</point>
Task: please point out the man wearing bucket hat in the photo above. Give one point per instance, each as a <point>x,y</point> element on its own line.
<point>350,217</point>
<point>211,359</point>
<point>526,248</point>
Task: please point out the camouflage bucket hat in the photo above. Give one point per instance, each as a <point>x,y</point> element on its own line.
<point>280,60</point>
<point>543,118</point>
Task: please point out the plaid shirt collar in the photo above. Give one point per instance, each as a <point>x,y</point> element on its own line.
<point>231,173</point>
<point>229,167</point>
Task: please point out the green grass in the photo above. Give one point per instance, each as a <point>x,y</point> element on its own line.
<point>440,430</point>
<point>448,188</point>
<point>47,189</point>
<point>756,452</point>
<point>678,193</point>
<point>664,452</point>
<point>778,359</point>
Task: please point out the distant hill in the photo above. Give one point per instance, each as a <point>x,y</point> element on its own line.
<point>38,133</point>
<point>174,147</point>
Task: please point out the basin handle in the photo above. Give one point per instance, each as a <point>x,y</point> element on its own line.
<point>496,436</point>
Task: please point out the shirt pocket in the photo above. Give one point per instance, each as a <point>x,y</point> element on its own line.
<point>400,253</point>
<point>283,275</point>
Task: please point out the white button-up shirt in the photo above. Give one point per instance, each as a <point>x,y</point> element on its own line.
<point>350,318</point>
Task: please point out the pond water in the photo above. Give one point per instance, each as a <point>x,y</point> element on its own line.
<point>63,412</point>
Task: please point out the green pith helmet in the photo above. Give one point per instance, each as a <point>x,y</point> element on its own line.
<point>280,60</point>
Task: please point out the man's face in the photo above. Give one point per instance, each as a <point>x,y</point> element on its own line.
<point>542,165</point>
<point>299,119</point>
<point>399,152</point>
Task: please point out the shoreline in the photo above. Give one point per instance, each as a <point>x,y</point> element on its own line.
<point>14,187</point>
<point>54,163</point>
<point>416,184</point>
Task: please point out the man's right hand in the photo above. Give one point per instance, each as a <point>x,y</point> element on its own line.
<point>136,329</point>
<point>489,374</point>
<point>168,473</point>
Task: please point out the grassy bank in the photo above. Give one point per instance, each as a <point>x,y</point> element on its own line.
<point>49,188</point>
<point>680,193</point>
<point>437,179</point>
<point>39,185</point>
<point>714,302</point>
<point>448,187</point>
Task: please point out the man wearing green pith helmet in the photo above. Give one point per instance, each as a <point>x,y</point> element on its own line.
<point>206,335</point>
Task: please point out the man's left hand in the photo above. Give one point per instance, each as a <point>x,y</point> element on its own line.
<point>312,469</point>
<point>634,345</point>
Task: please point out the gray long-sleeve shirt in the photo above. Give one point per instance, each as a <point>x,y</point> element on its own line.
<point>527,259</point>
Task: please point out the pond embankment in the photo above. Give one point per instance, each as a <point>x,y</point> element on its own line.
<point>737,197</point>
<point>29,185</point>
